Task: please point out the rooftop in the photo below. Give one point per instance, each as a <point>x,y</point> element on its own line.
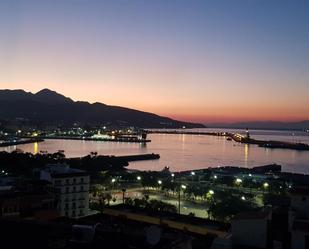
<point>252,215</point>
<point>300,191</point>
<point>63,170</point>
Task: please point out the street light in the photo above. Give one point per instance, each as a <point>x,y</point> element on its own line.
<point>215,177</point>
<point>211,192</point>
<point>138,178</point>
<point>123,194</point>
<point>172,175</point>
<point>238,181</point>
<point>243,198</point>
<point>182,186</point>
<point>266,185</point>
<point>159,182</point>
<point>193,173</point>
<point>113,182</point>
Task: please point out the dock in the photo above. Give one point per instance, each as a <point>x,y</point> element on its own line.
<point>116,139</point>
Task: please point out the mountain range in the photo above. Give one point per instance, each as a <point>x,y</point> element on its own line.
<point>49,108</point>
<point>267,125</point>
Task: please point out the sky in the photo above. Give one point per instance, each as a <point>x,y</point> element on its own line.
<point>193,60</point>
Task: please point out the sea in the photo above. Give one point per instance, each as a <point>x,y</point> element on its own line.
<point>190,152</point>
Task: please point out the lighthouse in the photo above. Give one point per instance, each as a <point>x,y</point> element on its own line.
<point>247,134</point>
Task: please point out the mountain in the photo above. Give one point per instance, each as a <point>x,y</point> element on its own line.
<point>267,125</point>
<point>47,107</point>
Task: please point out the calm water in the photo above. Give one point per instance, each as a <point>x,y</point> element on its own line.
<point>185,152</point>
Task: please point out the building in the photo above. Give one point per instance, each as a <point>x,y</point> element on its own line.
<point>27,204</point>
<point>251,230</point>
<point>71,188</point>
<point>9,204</point>
<point>299,218</point>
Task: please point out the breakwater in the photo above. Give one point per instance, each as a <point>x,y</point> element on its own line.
<point>242,139</point>
<point>19,142</point>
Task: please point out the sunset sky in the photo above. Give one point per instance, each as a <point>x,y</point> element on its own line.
<point>195,60</point>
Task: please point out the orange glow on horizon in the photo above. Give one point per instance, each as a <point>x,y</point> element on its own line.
<point>213,110</point>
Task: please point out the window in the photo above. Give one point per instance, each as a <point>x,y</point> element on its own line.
<point>82,180</point>
<point>58,182</point>
<point>67,181</point>
<point>74,180</point>
<point>67,189</point>
<point>81,188</point>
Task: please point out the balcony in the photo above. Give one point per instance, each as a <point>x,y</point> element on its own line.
<point>70,184</point>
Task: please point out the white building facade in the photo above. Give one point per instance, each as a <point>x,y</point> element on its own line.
<point>71,187</point>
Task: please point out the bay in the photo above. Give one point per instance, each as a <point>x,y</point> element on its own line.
<point>190,152</point>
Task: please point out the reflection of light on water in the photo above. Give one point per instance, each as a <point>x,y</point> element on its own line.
<point>246,154</point>
<point>183,139</point>
<point>35,148</point>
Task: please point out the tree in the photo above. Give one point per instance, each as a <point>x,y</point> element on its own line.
<point>227,208</point>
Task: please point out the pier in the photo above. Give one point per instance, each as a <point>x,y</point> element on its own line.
<point>19,142</point>
<point>132,158</point>
<point>268,144</point>
<point>116,139</point>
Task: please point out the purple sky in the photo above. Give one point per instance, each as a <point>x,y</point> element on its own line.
<point>203,61</point>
